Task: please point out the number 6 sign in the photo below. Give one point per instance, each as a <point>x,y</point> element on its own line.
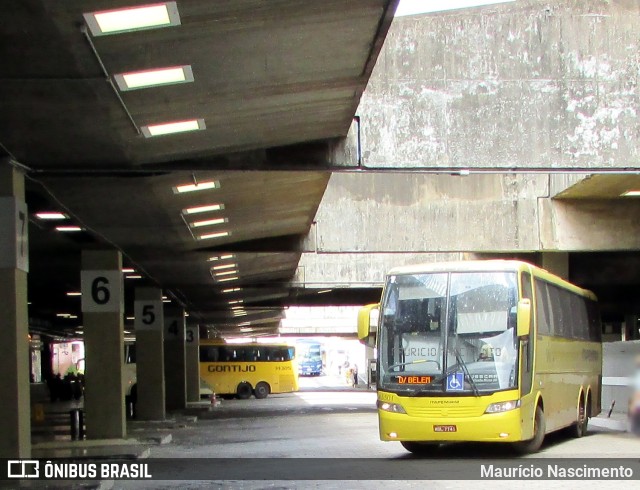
<point>101,291</point>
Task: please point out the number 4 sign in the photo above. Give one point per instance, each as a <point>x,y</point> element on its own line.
<point>101,291</point>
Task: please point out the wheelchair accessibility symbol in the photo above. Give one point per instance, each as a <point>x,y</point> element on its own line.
<point>455,382</point>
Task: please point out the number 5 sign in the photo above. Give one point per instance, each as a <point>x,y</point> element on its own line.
<point>101,291</point>
<point>14,222</point>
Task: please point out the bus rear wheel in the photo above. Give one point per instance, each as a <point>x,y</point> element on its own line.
<point>244,391</point>
<point>579,429</point>
<point>261,390</point>
<point>539,428</point>
<point>420,448</point>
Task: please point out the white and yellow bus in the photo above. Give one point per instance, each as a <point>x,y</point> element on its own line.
<point>484,351</point>
<point>248,369</point>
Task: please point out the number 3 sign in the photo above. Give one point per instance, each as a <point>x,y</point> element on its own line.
<point>101,291</point>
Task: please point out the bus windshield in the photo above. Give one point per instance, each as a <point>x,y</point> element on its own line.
<point>449,333</point>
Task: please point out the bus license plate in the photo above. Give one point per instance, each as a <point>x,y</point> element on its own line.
<point>444,428</point>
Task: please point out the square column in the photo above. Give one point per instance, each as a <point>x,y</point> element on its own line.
<point>149,326</point>
<point>175,374</point>
<point>192,352</point>
<point>15,412</point>
<point>103,307</point>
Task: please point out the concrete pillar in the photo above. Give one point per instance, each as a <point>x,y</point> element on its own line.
<point>149,325</point>
<point>15,413</point>
<point>175,374</point>
<point>103,308</point>
<point>192,348</point>
<point>557,263</point>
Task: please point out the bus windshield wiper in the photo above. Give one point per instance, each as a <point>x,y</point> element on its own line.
<point>415,361</point>
<point>461,362</point>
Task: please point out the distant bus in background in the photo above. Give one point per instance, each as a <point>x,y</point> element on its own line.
<point>309,357</point>
<point>243,370</point>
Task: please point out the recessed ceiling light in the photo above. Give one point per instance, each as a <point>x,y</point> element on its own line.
<point>631,194</point>
<point>174,127</point>
<point>225,266</point>
<point>225,273</point>
<point>51,215</point>
<point>154,78</point>
<point>74,293</point>
<point>200,186</point>
<point>235,278</point>
<point>68,228</point>
<point>133,18</point>
<point>219,234</point>
<point>203,209</point>
<point>208,222</point>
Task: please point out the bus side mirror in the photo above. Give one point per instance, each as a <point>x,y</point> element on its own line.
<point>524,317</point>
<point>368,324</point>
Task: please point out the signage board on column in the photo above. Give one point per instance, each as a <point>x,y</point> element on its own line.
<point>101,291</point>
<point>192,335</point>
<point>148,315</point>
<point>174,328</point>
<point>14,242</point>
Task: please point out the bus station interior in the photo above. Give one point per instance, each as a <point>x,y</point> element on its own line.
<point>329,143</point>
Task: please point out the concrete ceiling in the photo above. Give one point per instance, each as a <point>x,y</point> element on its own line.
<point>602,186</point>
<point>276,83</point>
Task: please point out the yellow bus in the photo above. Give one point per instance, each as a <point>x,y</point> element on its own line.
<point>484,351</point>
<point>248,369</point>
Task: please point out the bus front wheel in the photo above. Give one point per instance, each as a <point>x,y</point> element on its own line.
<point>539,428</point>
<point>244,391</point>
<point>261,390</point>
<point>420,448</point>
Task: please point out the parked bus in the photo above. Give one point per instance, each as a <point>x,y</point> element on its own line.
<point>248,369</point>
<point>309,357</point>
<point>484,351</point>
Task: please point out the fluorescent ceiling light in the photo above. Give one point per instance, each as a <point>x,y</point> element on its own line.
<point>239,313</point>
<point>219,234</point>
<point>173,127</point>
<point>325,291</point>
<point>63,315</point>
<point>236,307</point>
<point>225,266</point>
<point>231,290</point>
<point>220,257</point>
<point>208,222</point>
<point>51,215</point>
<point>414,7</point>
<point>166,300</point>
<point>68,228</point>
<point>243,324</point>
<point>133,18</point>
<point>203,209</point>
<point>131,318</point>
<point>631,194</point>
<point>234,302</point>
<point>200,186</point>
<point>74,293</point>
<point>225,273</point>
<point>154,78</point>
<point>134,276</point>
<point>235,278</point>
<point>128,270</point>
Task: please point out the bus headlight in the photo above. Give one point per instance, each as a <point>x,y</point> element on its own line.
<point>502,406</point>
<point>390,407</point>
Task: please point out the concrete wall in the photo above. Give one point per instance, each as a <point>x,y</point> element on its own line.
<point>617,369</point>
<point>527,84</point>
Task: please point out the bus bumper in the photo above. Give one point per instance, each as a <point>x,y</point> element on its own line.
<point>495,427</point>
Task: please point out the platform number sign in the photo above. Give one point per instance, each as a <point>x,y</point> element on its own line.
<point>174,328</point>
<point>14,242</point>
<point>101,291</point>
<point>192,334</point>
<point>148,315</point>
